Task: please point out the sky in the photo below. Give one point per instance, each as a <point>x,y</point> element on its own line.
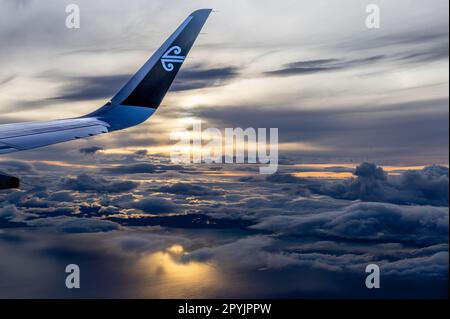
<point>362,117</point>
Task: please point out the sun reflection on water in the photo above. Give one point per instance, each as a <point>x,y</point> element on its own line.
<point>172,278</point>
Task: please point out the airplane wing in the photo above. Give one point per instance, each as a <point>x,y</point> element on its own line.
<point>132,105</point>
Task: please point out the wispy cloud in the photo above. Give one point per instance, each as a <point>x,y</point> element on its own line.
<point>322,65</point>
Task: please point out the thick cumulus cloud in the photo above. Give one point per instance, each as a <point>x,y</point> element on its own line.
<point>377,222</point>
<point>428,186</point>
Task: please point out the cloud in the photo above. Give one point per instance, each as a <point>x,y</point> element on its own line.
<point>86,225</point>
<point>250,252</point>
<point>142,168</point>
<point>391,132</point>
<point>7,79</point>
<point>322,65</point>
<point>61,196</point>
<point>198,77</point>
<point>138,168</point>
<point>265,253</point>
<point>141,153</point>
<point>90,150</point>
<point>8,212</point>
<point>147,243</point>
<point>434,265</point>
<point>378,222</point>
<point>75,224</point>
<point>423,187</point>
<point>154,205</point>
<point>19,3</point>
<point>189,190</point>
<point>419,39</point>
<point>86,182</point>
<point>437,52</point>
<point>282,178</point>
<point>429,185</point>
<point>17,166</point>
<point>91,87</point>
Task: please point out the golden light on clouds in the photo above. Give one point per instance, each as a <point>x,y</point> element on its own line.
<point>66,164</point>
<point>325,175</point>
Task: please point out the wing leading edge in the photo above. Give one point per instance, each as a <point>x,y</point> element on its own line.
<point>132,105</point>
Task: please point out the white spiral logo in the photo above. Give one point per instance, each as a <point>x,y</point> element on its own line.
<point>170,57</point>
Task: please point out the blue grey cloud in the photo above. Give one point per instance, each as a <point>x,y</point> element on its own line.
<point>322,65</point>
<point>86,183</point>
<point>423,187</point>
<point>378,222</point>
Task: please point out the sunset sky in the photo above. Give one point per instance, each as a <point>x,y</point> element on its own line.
<point>340,95</point>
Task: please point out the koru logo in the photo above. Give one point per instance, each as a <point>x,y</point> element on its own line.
<point>170,57</point>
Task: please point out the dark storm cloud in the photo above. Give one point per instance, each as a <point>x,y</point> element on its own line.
<point>198,77</point>
<point>417,128</point>
<point>86,183</point>
<point>323,65</point>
